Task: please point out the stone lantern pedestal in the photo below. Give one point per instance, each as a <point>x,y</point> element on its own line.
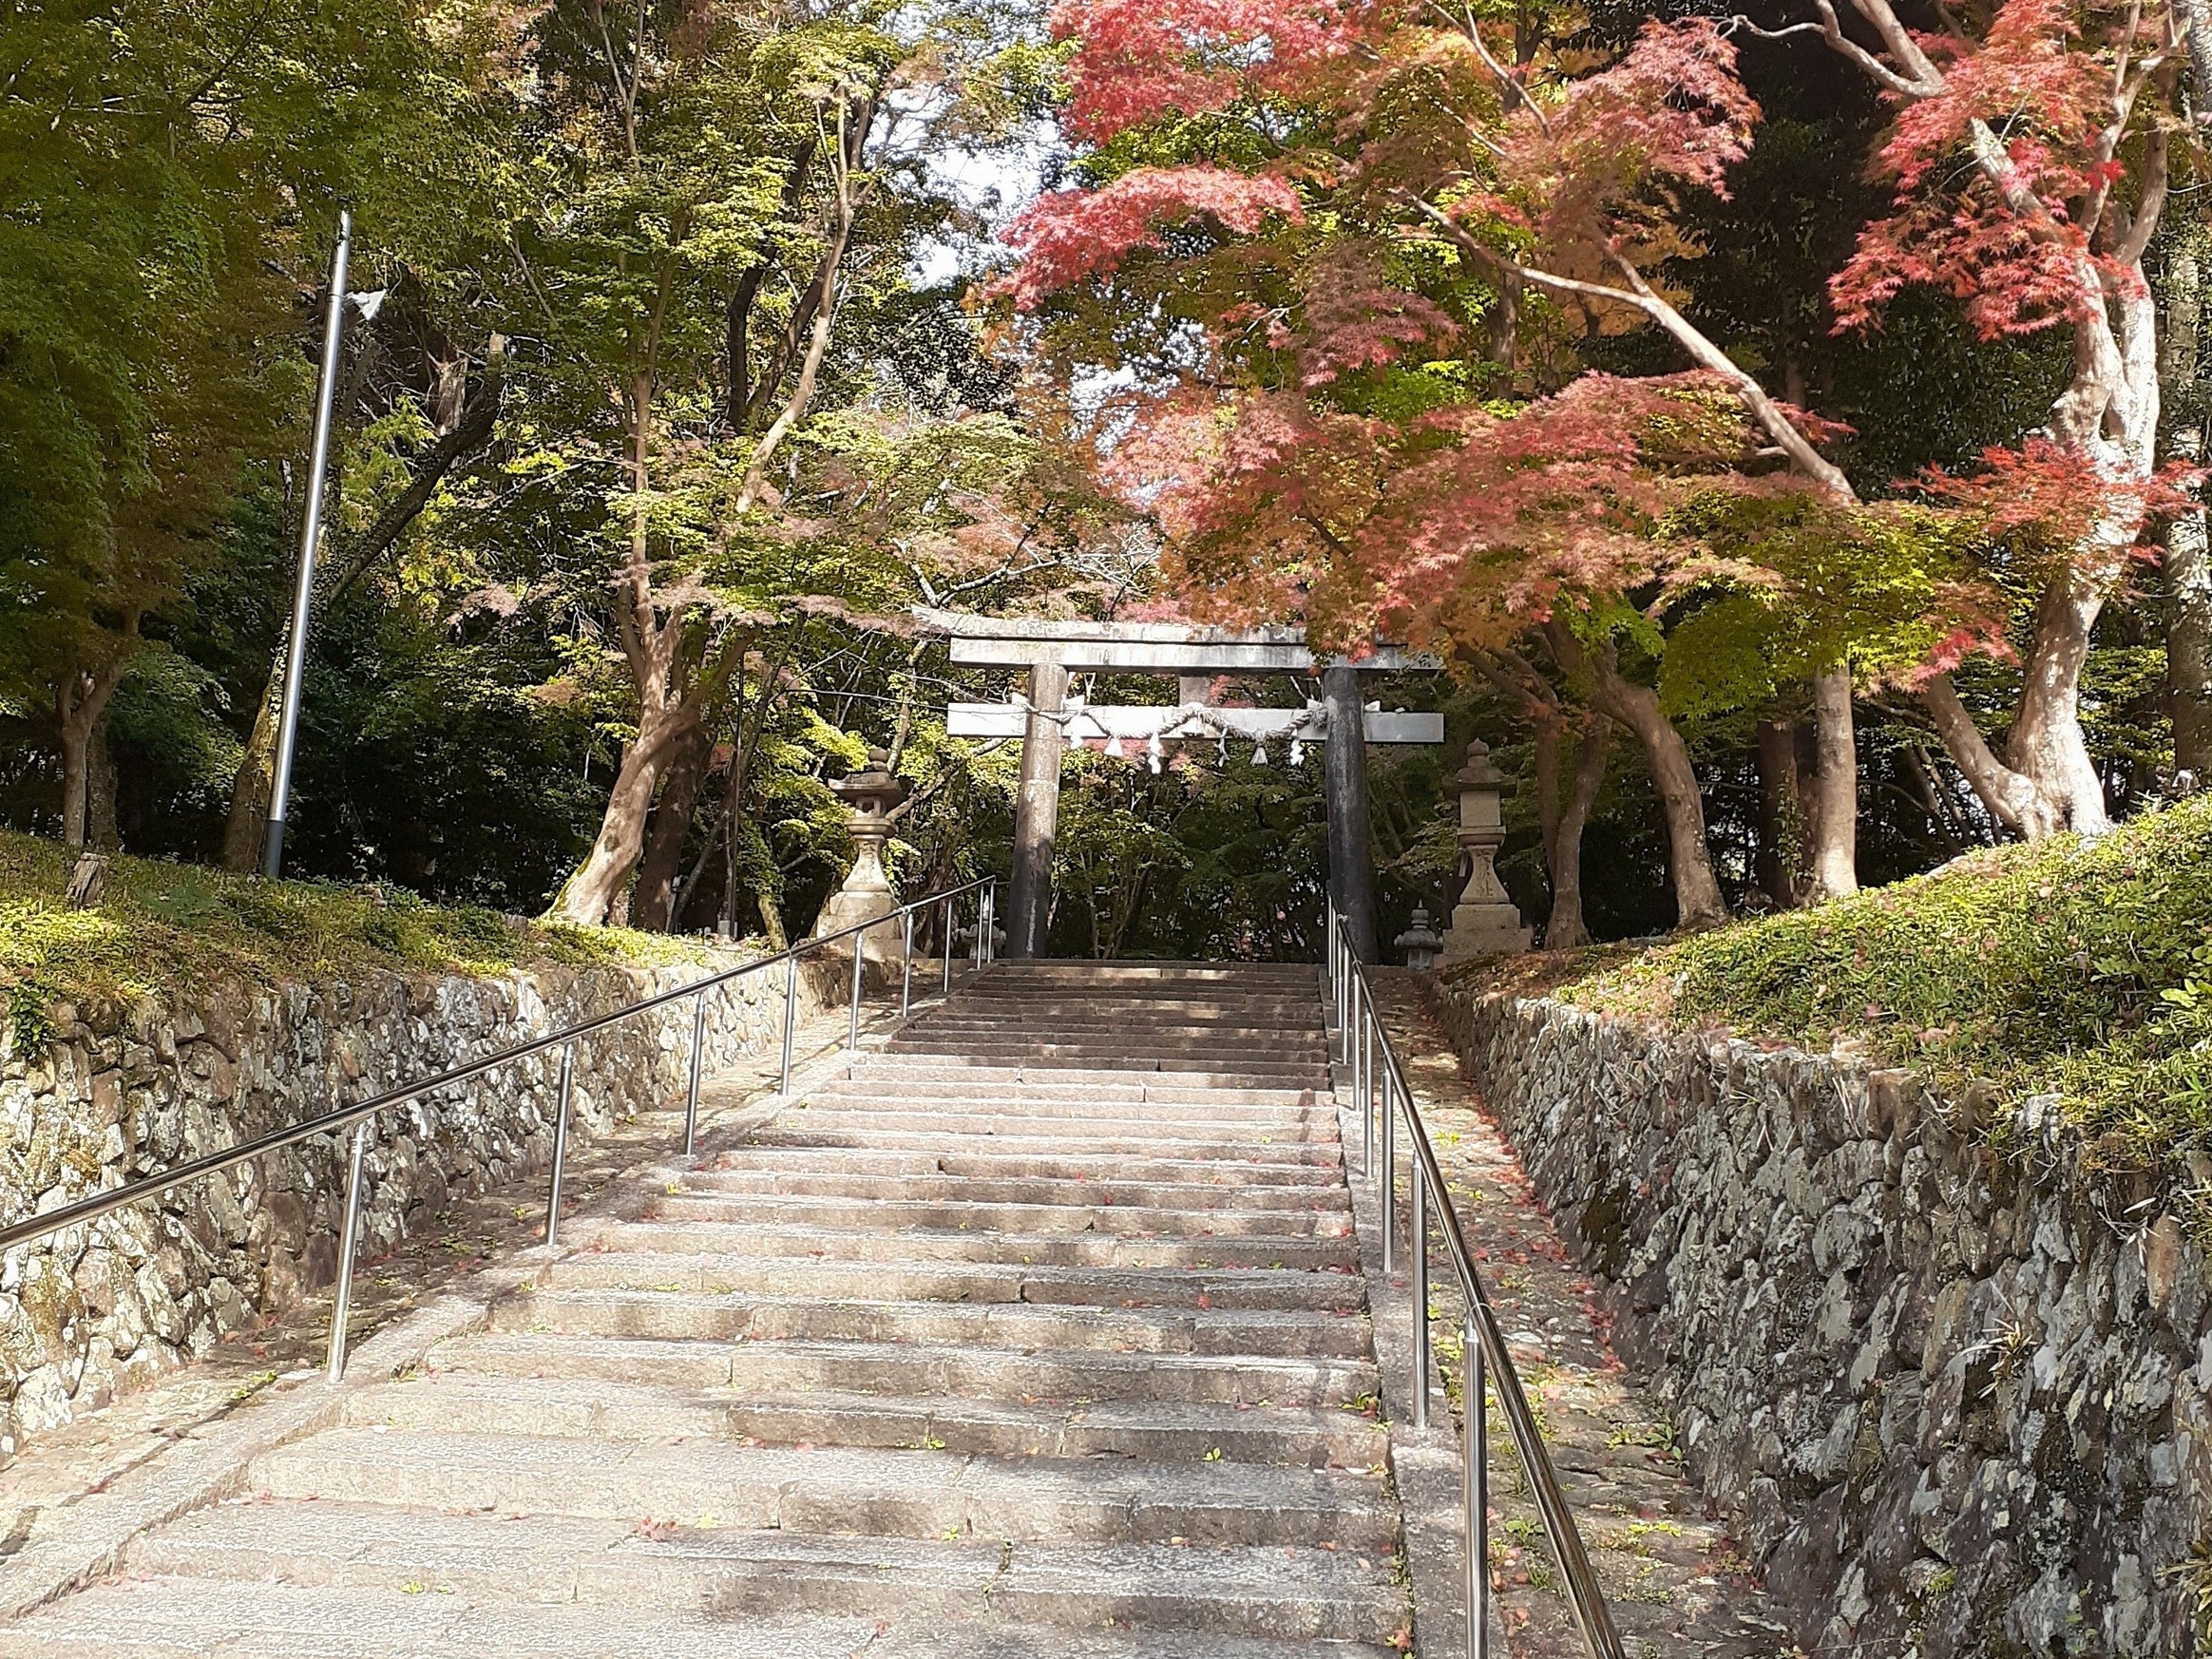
<point>1484,923</point>
<point>867,895</point>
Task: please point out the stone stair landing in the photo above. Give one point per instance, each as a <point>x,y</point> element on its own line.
<point>1039,1333</point>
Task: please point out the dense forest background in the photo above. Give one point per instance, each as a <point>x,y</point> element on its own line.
<point>700,342</point>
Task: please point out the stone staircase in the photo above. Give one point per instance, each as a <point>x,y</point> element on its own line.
<point>1039,1333</point>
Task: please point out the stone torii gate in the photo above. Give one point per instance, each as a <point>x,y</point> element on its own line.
<point>1052,650</point>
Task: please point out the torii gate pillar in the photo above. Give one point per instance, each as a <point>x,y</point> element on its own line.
<point>1037,812</point>
<point>1050,649</point>
<point>1351,867</point>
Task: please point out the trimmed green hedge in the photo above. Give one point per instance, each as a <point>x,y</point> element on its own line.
<point>163,927</point>
<point>2076,968</point>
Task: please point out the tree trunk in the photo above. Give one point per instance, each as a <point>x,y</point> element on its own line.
<point>74,741</point>
<point>2189,586</point>
<point>1566,929</point>
<point>81,698</point>
<point>2047,780</point>
<point>652,904</point>
<point>1697,891</point>
<point>2184,393</point>
<point>100,790</point>
<point>1547,771</point>
<point>1780,844</point>
<point>1834,823</point>
<point>255,778</point>
<point>589,897</point>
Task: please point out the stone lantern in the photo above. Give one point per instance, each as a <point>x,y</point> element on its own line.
<point>1484,923</point>
<point>872,794</point>
<point>1420,942</point>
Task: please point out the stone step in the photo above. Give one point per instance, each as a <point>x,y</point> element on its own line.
<point>988,1164</point>
<point>1043,1094</point>
<point>672,1568</point>
<point>1122,1030</point>
<point>1123,1051</point>
<point>1158,1432</point>
<point>1135,1015</point>
<point>1069,1250</point>
<point>906,1494</point>
<point>1145,1084</point>
<point>890,1093</point>
<point>1296,1030</point>
<point>974,1282</point>
<point>796,1132</point>
<point>1092,1133</point>
<point>1190,1000</point>
<point>685,1316</point>
<point>196,1618</point>
<point>1223,1187</point>
<point>1307,1221</point>
<point>909,1370</point>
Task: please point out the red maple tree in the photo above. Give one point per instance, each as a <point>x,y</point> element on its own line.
<point>1387,154</point>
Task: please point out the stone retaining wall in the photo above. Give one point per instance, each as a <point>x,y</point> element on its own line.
<point>99,1308</point>
<point>1955,1398</point>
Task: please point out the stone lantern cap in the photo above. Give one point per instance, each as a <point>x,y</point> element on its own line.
<point>873,790</point>
<point>1479,773</point>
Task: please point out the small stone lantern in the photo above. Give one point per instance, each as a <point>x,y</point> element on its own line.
<point>1484,923</point>
<point>872,794</point>
<point>1420,942</point>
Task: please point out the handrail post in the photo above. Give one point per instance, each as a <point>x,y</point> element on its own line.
<point>906,966</point>
<point>859,957</point>
<point>1420,1312</point>
<point>1388,1171</point>
<point>945,938</point>
<point>1348,1017</point>
<point>1367,1092</point>
<point>791,1017</point>
<point>1475,1394</point>
<point>560,1142</point>
<point>342,1304</point>
<point>691,1109</point>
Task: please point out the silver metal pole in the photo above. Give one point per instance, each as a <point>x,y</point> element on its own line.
<point>791,1019</point>
<point>341,1307</point>
<point>1388,1170</point>
<point>1476,1443</point>
<point>559,1143</point>
<point>1367,1091</point>
<point>1420,1309</point>
<point>946,931</point>
<point>690,1107</point>
<point>318,464</point>
<point>859,956</point>
<point>906,966</point>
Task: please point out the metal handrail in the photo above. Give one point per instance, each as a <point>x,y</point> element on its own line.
<point>361,1115</point>
<point>1362,1042</point>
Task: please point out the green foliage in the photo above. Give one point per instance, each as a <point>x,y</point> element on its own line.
<point>2079,969</point>
<point>165,929</point>
<point>1798,587</point>
<point>168,166</point>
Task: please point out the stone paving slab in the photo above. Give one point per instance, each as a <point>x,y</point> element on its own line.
<point>1674,1579</point>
